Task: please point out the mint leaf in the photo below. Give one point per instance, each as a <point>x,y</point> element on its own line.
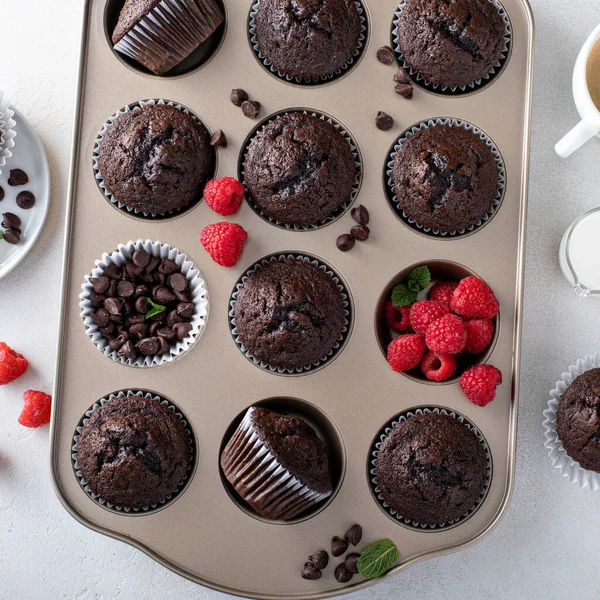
<point>377,559</point>
<point>1,235</point>
<point>402,296</point>
<point>413,286</point>
<point>155,310</point>
<point>420,276</point>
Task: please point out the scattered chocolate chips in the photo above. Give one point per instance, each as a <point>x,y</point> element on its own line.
<point>25,200</point>
<point>320,559</point>
<point>405,90</point>
<point>351,562</point>
<point>11,221</point>
<point>338,546</point>
<point>342,574</point>
<point>360,214</point>
<point>401,76</point>
<point>385,55</point>
<point>1,193</point>
<point>218,139</point>
<point>311,572</point>
<point>383,121</point>
<point>17,177</point>
<point>251,108</point>
<point>360,233</point>
<point>238,96</point>
<point>12,236</point>
<point>354,535</point>
<point>345,242</point>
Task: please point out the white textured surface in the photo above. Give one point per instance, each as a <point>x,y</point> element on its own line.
<point>547,544</point>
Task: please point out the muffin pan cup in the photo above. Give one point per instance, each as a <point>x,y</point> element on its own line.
<point>7,130</point>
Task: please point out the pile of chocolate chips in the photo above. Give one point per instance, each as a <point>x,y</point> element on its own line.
<point>360,232</point>
<point>123,299</point>
<point>404,86</point>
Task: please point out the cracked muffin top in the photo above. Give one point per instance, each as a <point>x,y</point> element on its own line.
<point>156,159</point>
<point>578,420</point>
<point>133,452</point>
<point>289,314</point>
<point>309,39</point>
<point>445,178</point>
<point>451,42</point>
<point>431,469</point>
<point>299,169</point>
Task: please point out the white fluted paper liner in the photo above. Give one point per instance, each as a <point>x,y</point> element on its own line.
<point>98,143</point>
<point>561,461</point>
<point>337,345</point>
<point>453,89</point>
<point>454,123</point>
<point>375,454</point>
<point>75,450</point>
<point>340,210</point>
<point>7,130</point>
<point>270,485</point>
<point>312,80</point>
<point>171,30</point>
<point>198,293</point>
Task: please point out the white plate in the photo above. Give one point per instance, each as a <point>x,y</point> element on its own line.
<point>28,155</point>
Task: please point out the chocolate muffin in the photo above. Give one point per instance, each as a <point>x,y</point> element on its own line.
<point>299,169</point>
<point>308,39</point>
<point>156,159</point>
<point>578,420</point>
<point>445,178</point>
<point>133,452</point>
<point>289,314</point>
<point>431,469</point>
<point>294,477</point>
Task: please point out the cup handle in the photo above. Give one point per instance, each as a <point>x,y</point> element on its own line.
<point>576,138</point>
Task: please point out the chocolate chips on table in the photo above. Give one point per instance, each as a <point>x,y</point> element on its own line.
<point>351,562</point>
<point>338,546</point>
<point>405,90</point>
<point>360,214</point>
<point>251,108</point>
<point>383,121</point>
<point>238,96</point>
<point>12,236</point>
<point>360,232</point>
<point>401,76</point>
<point>354,534</point>
<point>218,139</point>
<point>17,177</point>
<point>12,226</point>
<point>10,221</point>
<point>385,55</point>
<point>345,242</point>
<point>25,200</point>
<point>342,574</point>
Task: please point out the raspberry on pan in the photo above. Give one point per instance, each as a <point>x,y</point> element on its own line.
<point>447,335</point>
<point>423,314</point>
<point>479,335</point>
<point>224,242</point>
<point>438,367</point>
<point>12,364</point>
<point>397,317</point>
<point>479,384</point>
<point>473,298</point>
<point>405,352</point>
<point>224,195</point>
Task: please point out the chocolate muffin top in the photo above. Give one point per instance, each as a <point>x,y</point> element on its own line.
<point>156,159</point>
<point>289,314</point>
<point>307,38</point>
<point>578,420</point>
<point>131,14</point>
<point>431,469</point>
<point>299,169</point>
<point>296,446</point>
<point>133,452</point>
<point>445,178</point>
<point>451,42</point>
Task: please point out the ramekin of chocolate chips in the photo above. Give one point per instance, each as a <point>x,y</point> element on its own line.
<point>144,304</point>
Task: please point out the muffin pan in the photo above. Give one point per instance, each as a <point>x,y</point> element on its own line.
<point>208,535</point>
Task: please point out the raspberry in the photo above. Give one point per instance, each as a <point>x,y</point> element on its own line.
<point>479,335</point>
<point>479,384</point>
<point>12,364</point>
<point>36,410</point>
<point>405,352</point>
<point>224,242</point>
<point>423,314</point>
<point>397,317</point>
<point>224,195</point>
<point>438,367</point>
<point>475,299</point>
<point>446,335</point>
<point>442,292</point>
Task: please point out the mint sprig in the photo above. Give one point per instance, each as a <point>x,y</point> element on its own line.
<point>405,294</point>
<point>420,276</point>
<point>402,296</point>
<point>156,309</point>
<point>377,559</point>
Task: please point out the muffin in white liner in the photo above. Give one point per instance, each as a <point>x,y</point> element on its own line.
<point>383,434</point>
<point>340,210</point>
<point>197,287</point>
<point>7,130</point>
<point>393,199</point>
<point>313,80</point>
<point>75,450</point>
<point>339,344</point>
<point>561,461</point>
<point>420,80</point>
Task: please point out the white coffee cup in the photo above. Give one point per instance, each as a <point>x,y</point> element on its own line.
<point>589,126</point>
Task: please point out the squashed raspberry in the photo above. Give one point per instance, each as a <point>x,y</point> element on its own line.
<point>479,384</point>
<point>405,352</point>
<point>224,195</point>
<point>479,335</point>
<point>224,242</point>
<point>36,410</point>
<point>473,298</point>
<point>397,317</point>
<point>423,314</point>
<point>447,335</point>
<point>438,367</point>
<point>12,364</point>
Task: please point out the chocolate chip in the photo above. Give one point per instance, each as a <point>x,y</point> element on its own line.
<point>360,233</point>
<point>111,292</point>
<point>405,90</point>
<point>127,307</point>
<point>125,289</point>
<point>360,214</point>
<point>218,139</point>
<point>166,332</point>
<point>141,290</point>
<point>383,121</point>
<point>139,330</point>
<point>141,258</point>
<point>25,200</point>
<point>178,282</point>
<point>11,221</point>
<point>401,76</point>
<point>385,55</point>
<point>251,108</point>
<point>163,295</point>
<point>173,318</point>
<point>354,535</point>
<point>163,345</point>
<point>141,305</point>
<point>342,574</point>
<point>152,264</point>
<point>167,267</point>
<point>127,350</point>
<point>12,236</point>
<point>96,299</point>
<point>310,572</point>
<point>238,96</point>
<point>100,317</point>
<point>100,284</point>
<point>117,343</point>
<point>160,277</point>
<point>351,563</point>
<point>114,305</point>
<point>338,546</point>
<point>112,271</point>
<point>320,559</point>
<point>345,242</point>
<point>154,326</point>
<point>158,317</point>
<point>136,318</point>
<point>183,296</point>
<point>182,330</point>
<point>17,177</point>
<point>133,270</point>
<point>1,193</point>
<point>185,310</point>
<point>107,331</point>
<point>148,346</point>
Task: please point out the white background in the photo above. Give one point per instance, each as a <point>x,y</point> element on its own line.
<point>548,544</point>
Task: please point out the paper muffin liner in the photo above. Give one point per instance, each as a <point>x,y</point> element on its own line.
<point>339,344</point>
<point>310,80</point>
<point>198,293</point>
<point>96,157</point>
<point>75,449</point>
<point>566,466</point>
<point>383,434</point>
<point>453,90</point>
<point>7,130</point>
<point>340,210</point>
<point>271,489</point>
<point>170,32</point>
<point>454,123</point>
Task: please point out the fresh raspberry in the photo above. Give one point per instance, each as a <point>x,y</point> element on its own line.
<point>224,195</point>
<point>446,335</point>
<point>36,410</point>
<point>423,314</point>
<point>479,384</point>
<point>405,352</point>
<point>438,367</point>
<point>475,299</point>
<point>224,242</point>
<point>397,317</point>
<point>12,364</point>
<point>479,335</point>
<point>442,292</point>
